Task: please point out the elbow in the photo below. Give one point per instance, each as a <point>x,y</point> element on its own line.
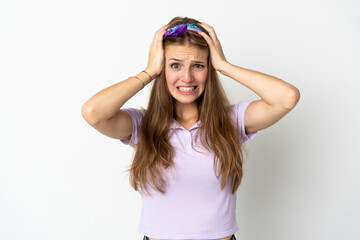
<point>293,97</point>
<point>87,113</point>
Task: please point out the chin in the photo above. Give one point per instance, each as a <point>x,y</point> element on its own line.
<point>185,101</point>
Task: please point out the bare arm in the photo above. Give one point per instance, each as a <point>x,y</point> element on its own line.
<point>277,96</point>
<point>106,103</point>
<point>103,110</point>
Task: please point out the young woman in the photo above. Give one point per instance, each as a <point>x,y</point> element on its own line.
<point>189,141</point>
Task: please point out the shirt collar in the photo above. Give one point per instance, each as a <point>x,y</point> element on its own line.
<point>175,125</point>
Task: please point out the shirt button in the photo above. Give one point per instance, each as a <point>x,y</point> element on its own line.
<point>188,134</point>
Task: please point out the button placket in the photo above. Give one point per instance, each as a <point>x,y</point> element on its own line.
<point>188,140</point>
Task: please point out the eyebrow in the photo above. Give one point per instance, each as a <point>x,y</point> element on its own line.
<point>182,60</point>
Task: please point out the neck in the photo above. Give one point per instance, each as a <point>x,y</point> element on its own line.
<point>186,112</point>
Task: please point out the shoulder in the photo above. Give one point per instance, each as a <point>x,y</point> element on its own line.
<point>136,114</point>
<point>135,111</point>
<point>239,111</point>
<point>240,108</point>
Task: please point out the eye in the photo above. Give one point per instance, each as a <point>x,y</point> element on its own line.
<point>198,66</point>
<point>175,65</point>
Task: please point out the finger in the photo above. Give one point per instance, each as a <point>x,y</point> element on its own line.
<point>160,33</point>
<point>160,29</point>
<point>210,29</point>
<point>206,37</point>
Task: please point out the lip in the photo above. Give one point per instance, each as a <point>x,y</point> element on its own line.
<point>187,93</point>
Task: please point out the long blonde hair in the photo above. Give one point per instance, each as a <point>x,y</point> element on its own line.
<point>218,133</point>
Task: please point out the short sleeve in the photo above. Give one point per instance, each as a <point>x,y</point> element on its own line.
<point>136,118</point>
<point>239,111</point>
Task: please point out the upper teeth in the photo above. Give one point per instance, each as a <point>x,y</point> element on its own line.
<point>186,89</point>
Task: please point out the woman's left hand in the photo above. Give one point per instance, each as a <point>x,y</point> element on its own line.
<point>216,53</point>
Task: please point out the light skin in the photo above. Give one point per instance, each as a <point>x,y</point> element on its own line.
<point>186,65</point>
<point>277,96</point>
<point>183,67</point>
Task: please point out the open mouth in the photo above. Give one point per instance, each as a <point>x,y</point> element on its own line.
<point>187,89</point>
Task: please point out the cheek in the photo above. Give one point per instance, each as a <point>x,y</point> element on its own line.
<point>169,81</point>
<point>170,77</point>
<point>202,77</point>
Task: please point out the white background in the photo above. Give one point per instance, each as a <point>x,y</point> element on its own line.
<point>61,179</point>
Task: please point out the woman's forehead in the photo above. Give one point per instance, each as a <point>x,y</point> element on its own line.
<point>185,52</point>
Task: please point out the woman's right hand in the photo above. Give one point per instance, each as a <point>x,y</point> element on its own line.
<point>156,53</point>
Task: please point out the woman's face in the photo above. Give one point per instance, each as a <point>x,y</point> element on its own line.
<point>185,71</point>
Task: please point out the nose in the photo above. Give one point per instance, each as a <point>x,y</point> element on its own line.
<point>187,77</point>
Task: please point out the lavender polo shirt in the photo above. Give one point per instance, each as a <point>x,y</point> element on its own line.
<point>193,206</point>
